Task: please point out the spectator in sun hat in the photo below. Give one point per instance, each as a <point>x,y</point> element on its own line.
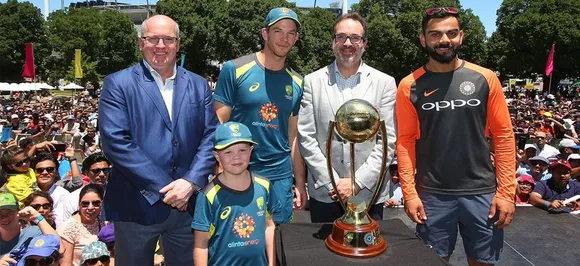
<point>107,236</point>
<point>567,147</point>
<point>539,166</point>
<point>95,253</point>
<point>574,161</point>
<point>550,194</point>
<point>524,187</point>
<point>43,250</point>
<point>11,228</point>
<point>524,158</point>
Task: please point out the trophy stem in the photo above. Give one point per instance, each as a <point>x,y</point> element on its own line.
<point>329,162</point>
<point>352,167</point>
<point>382,172</point>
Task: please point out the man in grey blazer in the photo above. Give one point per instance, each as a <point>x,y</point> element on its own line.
<point>324,92</point>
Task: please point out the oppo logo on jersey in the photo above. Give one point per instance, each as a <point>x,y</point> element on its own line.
<point>437,106</point>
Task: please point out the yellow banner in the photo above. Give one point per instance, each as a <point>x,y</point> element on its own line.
<point>78,66</point>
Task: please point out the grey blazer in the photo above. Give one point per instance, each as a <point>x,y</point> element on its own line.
<point>318,106</point>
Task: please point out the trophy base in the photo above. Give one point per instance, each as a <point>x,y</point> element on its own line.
<point>363,241</point>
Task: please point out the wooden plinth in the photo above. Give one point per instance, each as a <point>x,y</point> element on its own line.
<point>335,241</point>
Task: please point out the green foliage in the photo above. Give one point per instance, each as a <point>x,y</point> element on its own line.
<point>108,43</point>
<point>314,47</point>
<point>526,30</point>
<point>20,23</point>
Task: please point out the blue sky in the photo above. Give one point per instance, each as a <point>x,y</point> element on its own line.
<point>486,10</point>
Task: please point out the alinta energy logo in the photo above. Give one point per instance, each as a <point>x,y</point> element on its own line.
<point>243,227</point>
<point>268,112</point>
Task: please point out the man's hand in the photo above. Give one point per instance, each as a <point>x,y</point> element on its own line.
<point>506,211</point>
<point>6,260</point>
<point>392,203</point>
<point>46,145</point>
<point>556,204</point>
<point>344,189</point>
<point>415,210</point>
<point>177,193</point>
<point>301,197</point>
<point>69,152</point>
<point>28,214</point>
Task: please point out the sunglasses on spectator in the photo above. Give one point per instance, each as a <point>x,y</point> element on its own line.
<point>540,137</point>
<point>525,184</point>
<point>95,203</point>
<point>22,162</point>
<point>41,170</point>
<point>42,262</point>
<point>37,207</point>
<point>446,10</point>
<point>102,259</point>
<point>98,171</point>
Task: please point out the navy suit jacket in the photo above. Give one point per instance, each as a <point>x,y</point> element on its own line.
<point>149,150</point>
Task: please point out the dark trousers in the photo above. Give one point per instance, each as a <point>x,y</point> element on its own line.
<point>321,212</point>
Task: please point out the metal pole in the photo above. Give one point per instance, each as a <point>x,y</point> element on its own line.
<point>46,10</point>
<point>344,7</point>
<point>550,85</point>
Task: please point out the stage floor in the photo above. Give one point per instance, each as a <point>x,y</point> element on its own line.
<point>534,237</point>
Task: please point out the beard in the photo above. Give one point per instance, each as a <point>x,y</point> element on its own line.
<point>443,59</point>
<point>351,60</point>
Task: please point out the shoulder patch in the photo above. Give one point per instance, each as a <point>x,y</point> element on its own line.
<point>295,76</point>
<point>243,64</point>
<point>263,182</point>
<point>211,191</point>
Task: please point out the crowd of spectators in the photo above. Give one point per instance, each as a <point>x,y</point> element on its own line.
<point>55,195</point>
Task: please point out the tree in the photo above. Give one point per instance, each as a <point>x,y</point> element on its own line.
<point>195,20</point>
<point>109,44</point>
<point>335,4</point>
<point>394,27</point>
<point>526,30</point>
<point>314,46</point>
<point>20,23</point>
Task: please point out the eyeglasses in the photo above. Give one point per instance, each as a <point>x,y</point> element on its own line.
<point>540,138</point>
<point>102,259</point>
<point>445,10</point>
<point>95,203</point>
<point>98,171</point>
<point>155,40</point>
<point>42,262</point>
<point>354,38</point>
<point>41,170</point>
<point>46,206</point>
<point>22,162</point>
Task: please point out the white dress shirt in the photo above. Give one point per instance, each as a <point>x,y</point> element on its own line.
<point>165,89</point>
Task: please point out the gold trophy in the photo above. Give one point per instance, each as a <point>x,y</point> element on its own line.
<point>355,234</point>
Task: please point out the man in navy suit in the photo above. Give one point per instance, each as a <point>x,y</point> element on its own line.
<point>157,122</point>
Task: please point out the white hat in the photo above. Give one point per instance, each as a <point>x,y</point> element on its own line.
<point>574,156</point>
<point>527,146</point>
<point>14,116</point>
<point>568,143</point>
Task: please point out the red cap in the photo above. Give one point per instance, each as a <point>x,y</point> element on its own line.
<point>527,178</point>
<point>562,163</point>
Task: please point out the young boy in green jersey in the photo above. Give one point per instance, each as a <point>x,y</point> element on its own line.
<point>233,215</point>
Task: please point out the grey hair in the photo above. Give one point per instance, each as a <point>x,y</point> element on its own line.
<point>141,31</point>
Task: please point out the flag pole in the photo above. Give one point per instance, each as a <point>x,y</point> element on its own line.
<point>550,85</point>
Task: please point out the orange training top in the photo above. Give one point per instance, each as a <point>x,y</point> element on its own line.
<point>443,121</point>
